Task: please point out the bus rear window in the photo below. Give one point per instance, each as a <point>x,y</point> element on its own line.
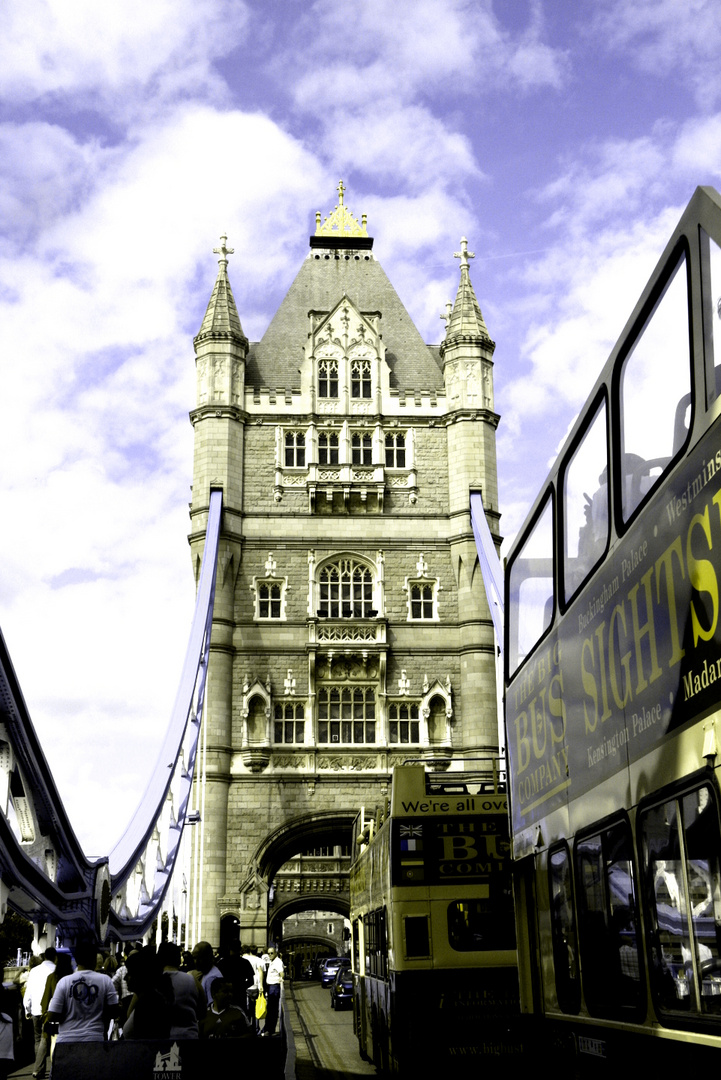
<point>531,591</point>
<point>417,937</point>
<point>480,925</point>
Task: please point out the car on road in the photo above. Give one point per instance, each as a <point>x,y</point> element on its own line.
<point>330,967</point>
<point>341,991</point>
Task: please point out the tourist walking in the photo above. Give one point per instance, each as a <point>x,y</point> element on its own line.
<point>273,982</point>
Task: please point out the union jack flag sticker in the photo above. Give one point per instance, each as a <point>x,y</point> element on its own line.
<point>408,831</point>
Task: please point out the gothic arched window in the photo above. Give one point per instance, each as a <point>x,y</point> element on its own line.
<point>289,722</point>
<point>361,449</point>
<point>346,591</point>
<point>294,449</point>
<point>395,450</point>
<point>328,378</point>
<point>327,449</point>
<point>403,723</point>
<point>346,714</point>
<point>269,601</point>
<point>360,378</point>
<point>422,601</point>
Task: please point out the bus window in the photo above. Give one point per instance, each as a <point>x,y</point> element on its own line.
<point>376,944</point>
<point>607,921</point>
<point>655,393</point>
<point>711,285</point>
<point>356,945</point>
<point>531,588</point>
<point>585,504</point>
<point>563,931</point>
<point>417,936</point>
<point>681,844</point>
<point>474,925</point>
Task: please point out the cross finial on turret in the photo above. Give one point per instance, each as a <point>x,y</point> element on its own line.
<point>464,254</point>
<point>446,315</point>
<point>341,190</point>
<point>224,251</point>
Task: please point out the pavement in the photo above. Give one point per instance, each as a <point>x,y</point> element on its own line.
<point>26,1070</point>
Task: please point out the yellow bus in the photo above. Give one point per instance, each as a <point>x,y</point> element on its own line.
<point>433,937</point>
<point>612,656</point>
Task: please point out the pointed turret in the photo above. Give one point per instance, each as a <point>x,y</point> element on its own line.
<point>466,321</point>
<point>467,353</point>
<point>221,348</point>
<point>467,349</point>
<point>218,421</point>
<point>221,321</point>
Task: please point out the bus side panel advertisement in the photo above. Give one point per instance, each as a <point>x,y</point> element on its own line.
<point>637,655</point>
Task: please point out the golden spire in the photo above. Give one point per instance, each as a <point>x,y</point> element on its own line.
<point>341,222</point>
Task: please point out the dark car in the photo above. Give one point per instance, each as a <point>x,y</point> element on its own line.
<point>341,991</point>
<point>330,967</point>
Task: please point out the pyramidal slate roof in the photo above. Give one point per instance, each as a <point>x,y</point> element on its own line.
<point>221,320</point>
<point>324,277</point>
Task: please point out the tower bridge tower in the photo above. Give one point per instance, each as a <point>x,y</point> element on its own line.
<point>351,630</point>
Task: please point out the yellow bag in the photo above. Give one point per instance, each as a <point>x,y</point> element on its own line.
<point>260,1007</point>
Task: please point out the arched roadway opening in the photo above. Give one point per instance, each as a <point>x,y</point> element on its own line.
<point>326,828</point>
<point>305,863</point>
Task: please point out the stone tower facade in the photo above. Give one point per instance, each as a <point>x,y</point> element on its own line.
<point>351,629</point>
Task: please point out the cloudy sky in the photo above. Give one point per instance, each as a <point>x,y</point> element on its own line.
<point>562,137</point>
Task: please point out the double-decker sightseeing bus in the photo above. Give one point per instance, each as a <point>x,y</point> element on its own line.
<point>612,660</point>
<point>433,939</point>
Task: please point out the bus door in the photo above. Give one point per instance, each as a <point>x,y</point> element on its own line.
<point>529,960</point>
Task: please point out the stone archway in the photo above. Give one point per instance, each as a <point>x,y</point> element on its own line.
<point>322,828</point>
<point>283,881</point>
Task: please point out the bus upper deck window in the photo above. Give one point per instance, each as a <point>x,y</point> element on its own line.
<point>711,262</point>
<point>531,588</point>
<point>585,504</point>
<point>655,393</point>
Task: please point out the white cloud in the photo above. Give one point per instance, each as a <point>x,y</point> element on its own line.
<point>96,322</point>
<point>407,142</point>
<point>680,38</point>
<point>108,53</point>
<point>415,48</point>
<point>616,176</point>
<point>697,151</point>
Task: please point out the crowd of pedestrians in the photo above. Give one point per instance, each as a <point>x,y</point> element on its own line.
<point>146,993</point>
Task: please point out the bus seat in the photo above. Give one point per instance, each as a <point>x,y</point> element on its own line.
<point>640,475</point>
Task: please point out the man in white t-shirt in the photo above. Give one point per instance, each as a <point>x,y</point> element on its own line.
<point>85,1001</point>
<point>34,990</point>
<point>273,982</point>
